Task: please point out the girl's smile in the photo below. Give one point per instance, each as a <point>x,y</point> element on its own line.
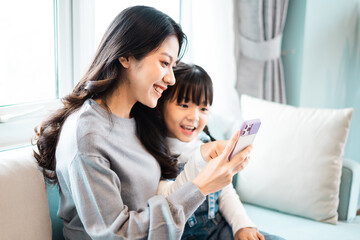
<point>185,120</point>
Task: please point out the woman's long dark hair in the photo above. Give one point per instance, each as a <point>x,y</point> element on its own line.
<point>136,31</point>
<point>193,84</point>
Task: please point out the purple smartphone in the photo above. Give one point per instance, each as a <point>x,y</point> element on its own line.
<point>247,135</point>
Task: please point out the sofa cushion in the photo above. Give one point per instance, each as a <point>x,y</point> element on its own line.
<point>298,228</point>
<point>24,212</point>
<point>296,162</point>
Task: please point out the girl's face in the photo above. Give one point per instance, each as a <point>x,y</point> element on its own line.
<point>149,77</point>
<point>185,121</point>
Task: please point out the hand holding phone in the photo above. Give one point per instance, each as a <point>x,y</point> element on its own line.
<point>248,132</point>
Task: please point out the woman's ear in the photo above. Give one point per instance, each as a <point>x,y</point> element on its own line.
<point>124,61</point>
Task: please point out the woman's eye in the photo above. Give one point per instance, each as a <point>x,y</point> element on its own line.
<point>165,63</point>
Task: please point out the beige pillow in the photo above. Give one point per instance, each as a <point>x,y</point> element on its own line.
<point>296,161</point>
<point>24,212</point>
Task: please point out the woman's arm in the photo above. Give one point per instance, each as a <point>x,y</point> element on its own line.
<point>96,189</point>
<point>195,160</point>
<point>193,166</point>
<point>214,175</point>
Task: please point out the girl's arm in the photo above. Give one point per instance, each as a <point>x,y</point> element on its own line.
<point>233,210</point>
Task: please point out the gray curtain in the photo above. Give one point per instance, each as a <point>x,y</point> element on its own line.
<point>258,26</point>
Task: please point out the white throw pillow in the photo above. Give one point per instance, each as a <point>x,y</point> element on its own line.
<point>24,211</point>
<point>296,161</point>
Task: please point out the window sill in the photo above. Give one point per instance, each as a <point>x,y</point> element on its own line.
<point>18,132</point>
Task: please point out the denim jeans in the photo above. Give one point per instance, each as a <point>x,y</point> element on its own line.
<point>207,223</point>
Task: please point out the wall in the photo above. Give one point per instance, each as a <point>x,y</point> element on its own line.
<point>321,47</point>
<point>321,62</point>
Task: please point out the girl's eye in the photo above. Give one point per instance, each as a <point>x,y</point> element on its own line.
<point>183,105</point>
<point>204,109</point>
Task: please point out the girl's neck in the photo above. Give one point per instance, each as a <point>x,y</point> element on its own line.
<point>119,102</point>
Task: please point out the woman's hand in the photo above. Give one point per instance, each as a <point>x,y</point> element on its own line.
<point>212,150</point>
<point>248,233</point>
<point>218,172</point>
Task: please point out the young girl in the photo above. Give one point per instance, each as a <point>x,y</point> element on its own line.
<point>106,156</point>
<point>185,110</point>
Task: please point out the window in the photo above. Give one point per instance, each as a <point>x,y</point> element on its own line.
<point>107,10</point>
<point>28,68</point>
<point>45,49</point>
<point>27,63</point>
<point>92,20</point>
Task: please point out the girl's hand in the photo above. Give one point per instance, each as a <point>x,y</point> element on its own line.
<point>212,150</point>
<point>248,233</point>
<point>218,172</point>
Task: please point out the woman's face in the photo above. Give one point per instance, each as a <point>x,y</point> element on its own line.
<point>150,76</point>
<point>185,121</point>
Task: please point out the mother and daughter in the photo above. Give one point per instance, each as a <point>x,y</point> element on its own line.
<point>108,148</point>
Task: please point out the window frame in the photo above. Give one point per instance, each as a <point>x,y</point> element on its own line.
<point>17,132</point>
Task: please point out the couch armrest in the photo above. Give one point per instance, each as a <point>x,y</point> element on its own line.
<point>349,190</point>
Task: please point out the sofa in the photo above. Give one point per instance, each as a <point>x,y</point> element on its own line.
<point>28,206</point>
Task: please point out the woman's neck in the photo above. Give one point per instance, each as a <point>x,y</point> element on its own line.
<point>119,102</point>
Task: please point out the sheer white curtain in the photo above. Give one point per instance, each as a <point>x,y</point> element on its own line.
<point>209,27</point>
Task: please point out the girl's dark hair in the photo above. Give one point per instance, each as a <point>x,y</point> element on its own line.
<point>136,32</point>
<point>193,83</point>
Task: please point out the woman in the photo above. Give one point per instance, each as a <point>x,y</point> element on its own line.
<point>106,158</point>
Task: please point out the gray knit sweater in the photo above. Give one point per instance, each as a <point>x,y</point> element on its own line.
<point>108,182</point>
